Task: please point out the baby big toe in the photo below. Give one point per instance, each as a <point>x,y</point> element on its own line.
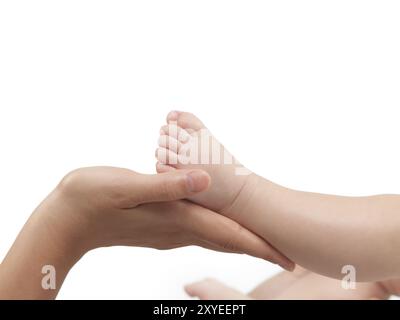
<point>188,120</point>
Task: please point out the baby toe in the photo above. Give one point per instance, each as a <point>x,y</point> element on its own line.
<point>187,120</point>
<point>162,168</point>
<point>175,132</point>
<point>169,143</point>
<point>167,157</point>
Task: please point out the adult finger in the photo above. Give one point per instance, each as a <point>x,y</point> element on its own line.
<point>229,235</point>
<point>168,186</point>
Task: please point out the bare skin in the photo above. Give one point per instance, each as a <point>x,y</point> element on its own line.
<point>298,285</point>
<point>322,233</point>
<point>105,206</point>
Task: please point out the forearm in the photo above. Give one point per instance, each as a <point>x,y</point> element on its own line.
<point>40,243</point>
<point>324,233</point>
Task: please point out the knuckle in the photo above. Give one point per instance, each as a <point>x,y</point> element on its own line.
<point>171,191</point>
<point>228,245</point>
<point>231,243</point>
<point>70,181</point>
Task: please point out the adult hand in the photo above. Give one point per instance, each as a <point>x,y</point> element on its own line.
<point>298,285</point>
<point>105,206</point>
<point>117,206</point>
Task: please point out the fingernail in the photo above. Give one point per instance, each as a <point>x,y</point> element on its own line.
<point>197,181</point>
<point>287,266</point>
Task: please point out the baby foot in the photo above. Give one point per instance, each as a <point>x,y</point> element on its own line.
<point>185,143</point>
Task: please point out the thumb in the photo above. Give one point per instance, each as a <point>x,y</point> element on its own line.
<point>169,186</point>
<point>211,289</point>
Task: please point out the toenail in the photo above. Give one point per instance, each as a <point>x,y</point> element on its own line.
<point>183,136</point>
<point>173,115</point>
<point>183,139</point>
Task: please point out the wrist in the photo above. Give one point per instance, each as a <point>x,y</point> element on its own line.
<point>44,242</point>
<point>65,224</point>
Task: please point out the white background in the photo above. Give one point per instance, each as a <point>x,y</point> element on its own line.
<point>305,93</point>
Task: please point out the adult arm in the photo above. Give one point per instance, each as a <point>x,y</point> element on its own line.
<point>104,206</point>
